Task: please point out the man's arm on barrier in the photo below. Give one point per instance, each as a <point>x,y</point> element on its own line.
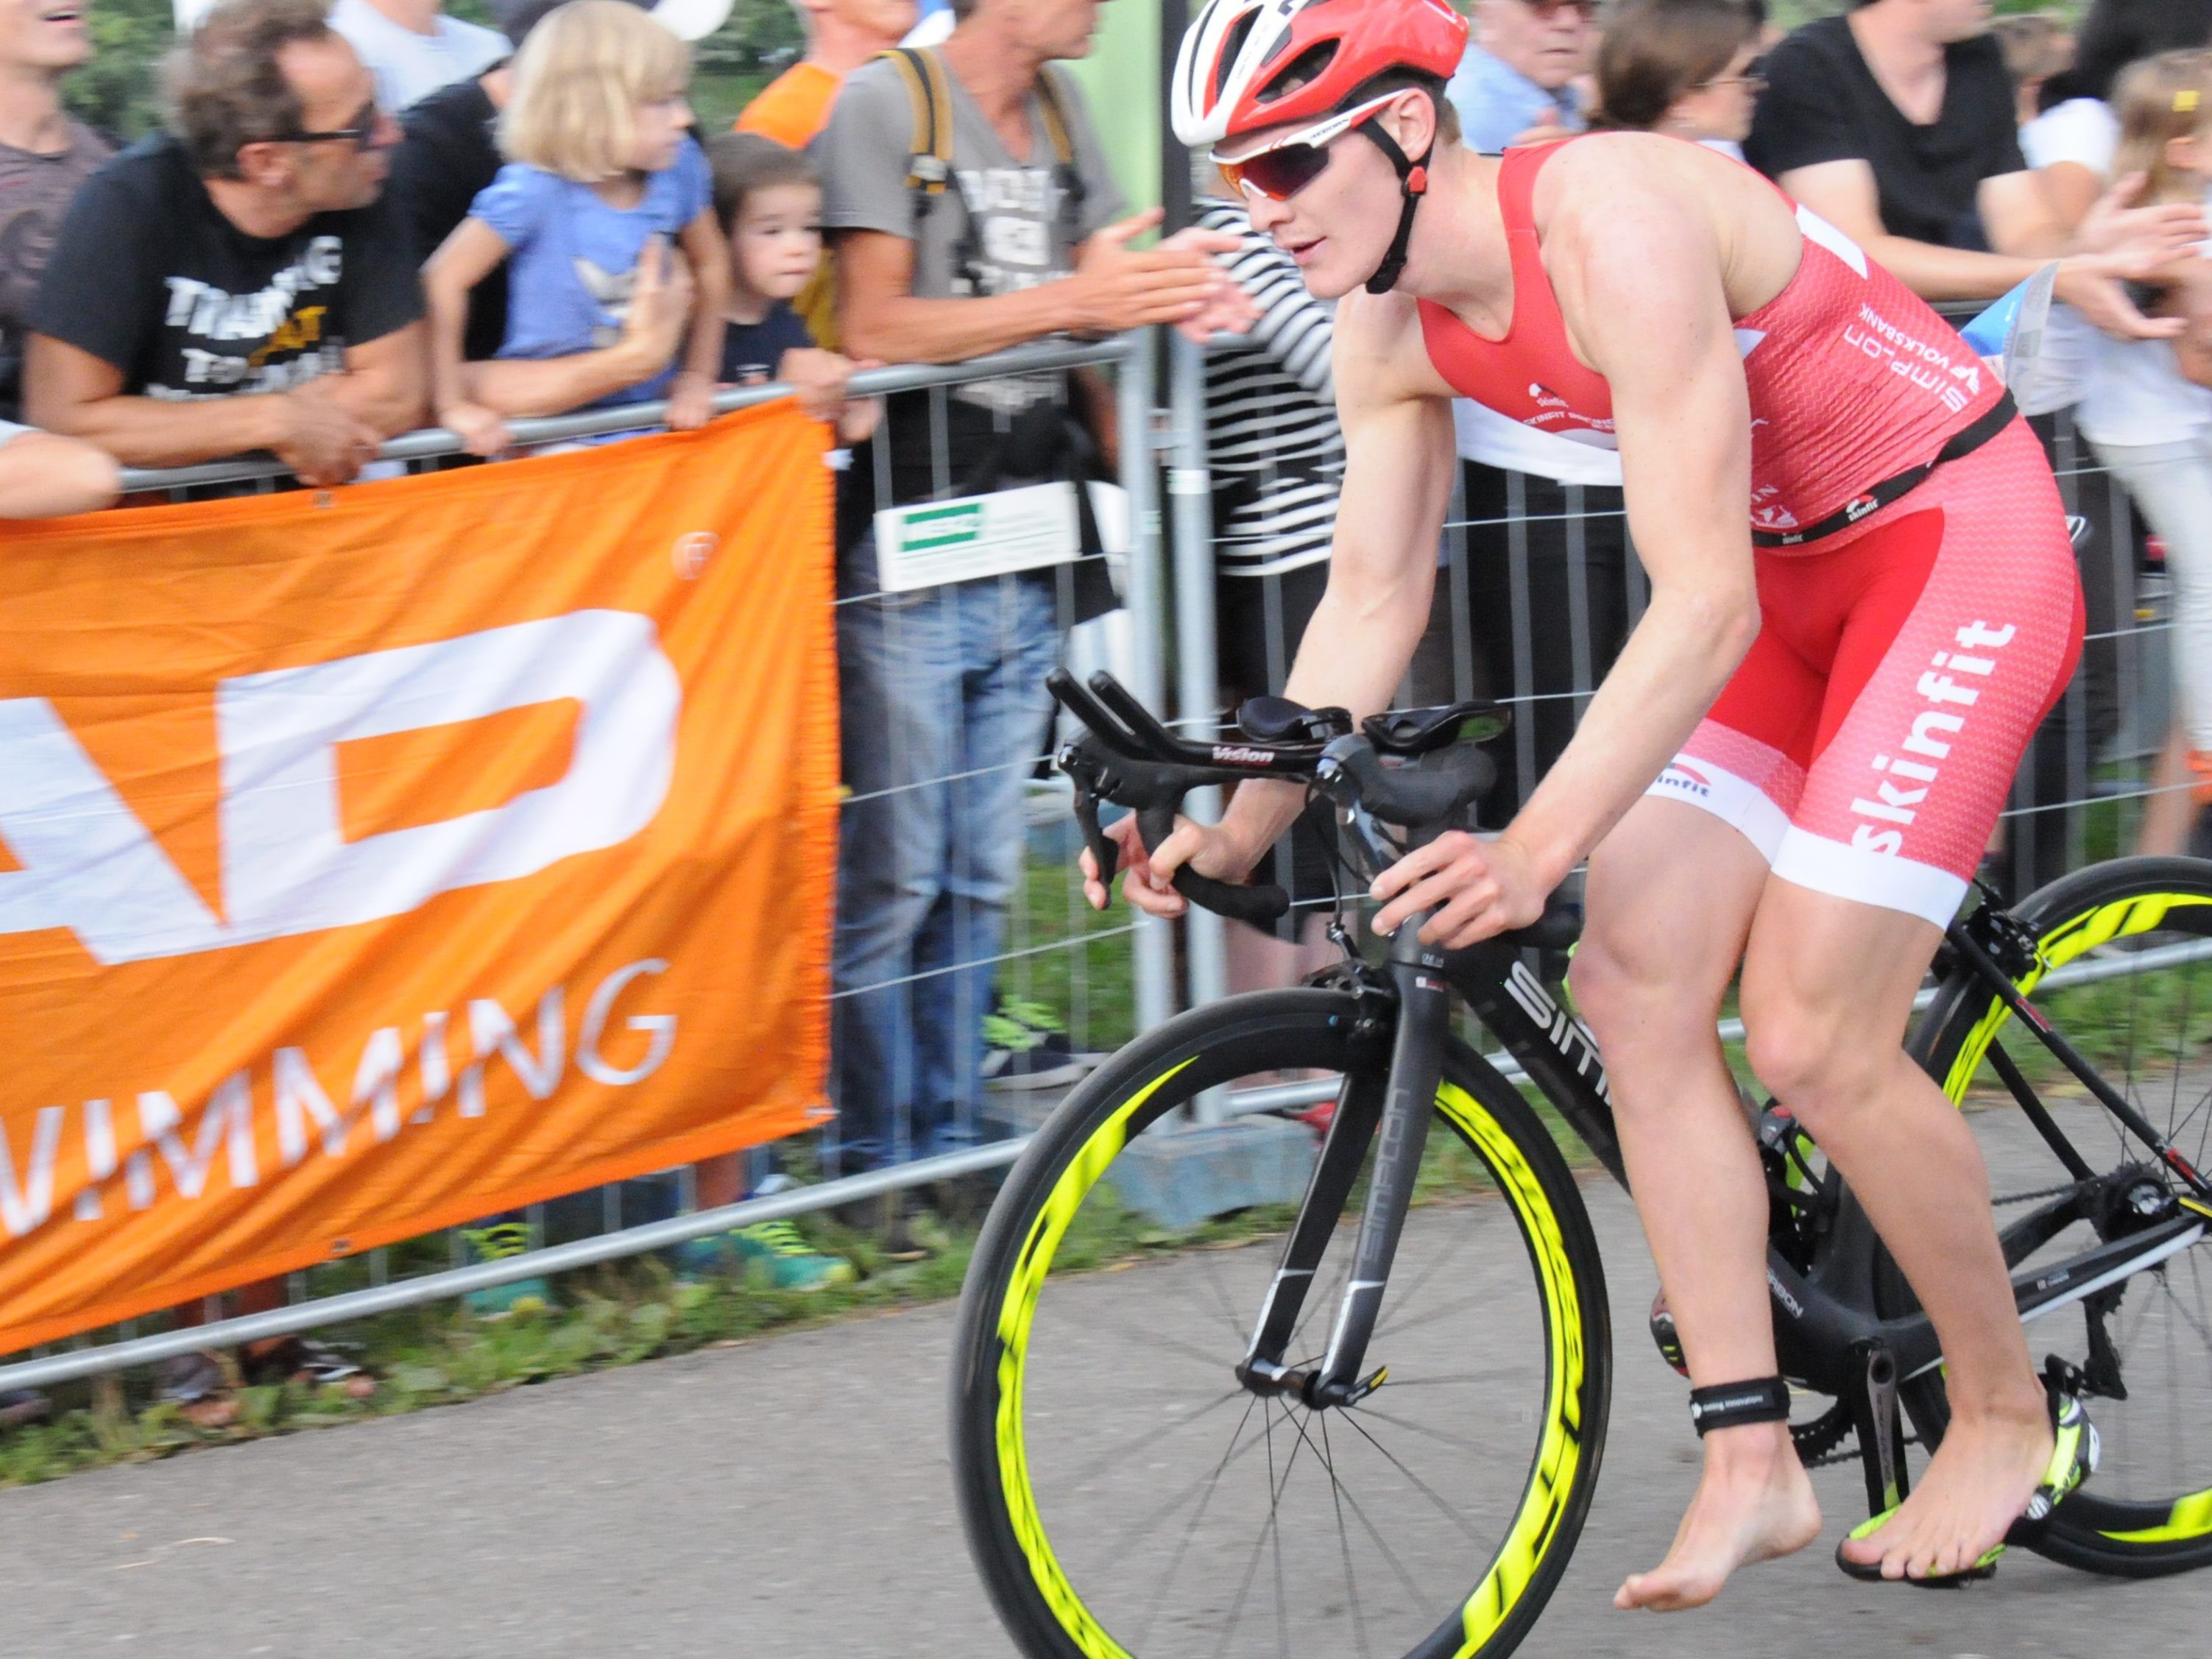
<point>1400,467</point>
<point>69,391</point>
<point>1640,273</point>
<point>44,476</point>
<point>386,381</point>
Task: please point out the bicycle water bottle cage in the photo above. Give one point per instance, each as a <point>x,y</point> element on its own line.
<point>1278,720</point>
<point>1422,732</point>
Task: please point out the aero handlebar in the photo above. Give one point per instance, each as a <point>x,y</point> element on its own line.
<point>1417,772</point>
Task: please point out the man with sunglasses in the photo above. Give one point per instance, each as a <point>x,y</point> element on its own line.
<point>1794,763</point>
<point>239,282</point>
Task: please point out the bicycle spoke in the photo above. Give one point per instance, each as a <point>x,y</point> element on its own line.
<point>1429,1318</point>
<point>1474,1446</point>
<point>1145,1523</point>
<point>1148,1437</point>
<point>1423,1486</point>
<point>1344,1541</point>
<point>1182,1546</point>
<point>1359,1514</point>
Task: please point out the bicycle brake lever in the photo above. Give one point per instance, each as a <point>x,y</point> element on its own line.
<point>1259,906</point>
<point>1095,837</point>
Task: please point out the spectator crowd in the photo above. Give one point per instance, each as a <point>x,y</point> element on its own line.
<point>365,217</point>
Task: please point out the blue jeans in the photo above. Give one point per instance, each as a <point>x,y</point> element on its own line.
<point>944,714</point>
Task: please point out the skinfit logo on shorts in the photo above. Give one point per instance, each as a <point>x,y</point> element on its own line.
<point>1947,685</point>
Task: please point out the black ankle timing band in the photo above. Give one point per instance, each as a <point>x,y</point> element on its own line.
<point>1732,1405</point>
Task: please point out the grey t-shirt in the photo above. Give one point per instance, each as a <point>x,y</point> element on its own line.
<point>1001,226</point>
<point>35,193</point>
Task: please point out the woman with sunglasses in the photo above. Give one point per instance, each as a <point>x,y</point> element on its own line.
<point>1686,68</point>
<point>1794,762</point>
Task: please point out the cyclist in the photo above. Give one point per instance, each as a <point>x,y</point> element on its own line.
<point>1798,759</point>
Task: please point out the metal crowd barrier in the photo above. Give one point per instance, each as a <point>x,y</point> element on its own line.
<point>1531,604</point>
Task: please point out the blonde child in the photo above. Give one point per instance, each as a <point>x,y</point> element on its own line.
<point>767,203</point>
<point>2153,428</point>
<point>602,176</point>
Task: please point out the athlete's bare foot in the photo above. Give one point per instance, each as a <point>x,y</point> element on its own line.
<point>1976,1486</point>
<point>1753,1502</point>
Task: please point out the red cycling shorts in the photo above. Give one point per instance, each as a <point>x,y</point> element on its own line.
<point>1868,741</point>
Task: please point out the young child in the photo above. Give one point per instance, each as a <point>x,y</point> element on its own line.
<point>2153,428</point>
<point>769,205</point>
<point>603,176</point>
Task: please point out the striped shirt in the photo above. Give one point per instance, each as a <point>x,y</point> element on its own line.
<point>1273,447</point>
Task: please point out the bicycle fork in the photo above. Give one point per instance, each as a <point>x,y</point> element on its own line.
<point>1395,1117</point>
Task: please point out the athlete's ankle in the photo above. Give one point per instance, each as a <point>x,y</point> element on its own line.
<point>2007,1407</point>
<point>1751,1452</point>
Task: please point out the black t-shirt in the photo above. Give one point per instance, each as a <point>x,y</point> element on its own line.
<point>751,351</point>
<point>149,276</point>
<point>447,154</point>
<point>1823,104</point>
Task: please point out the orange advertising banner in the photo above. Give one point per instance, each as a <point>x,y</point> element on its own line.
<point>377,859</point>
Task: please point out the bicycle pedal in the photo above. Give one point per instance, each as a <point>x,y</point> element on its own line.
<point>1664,1334</point>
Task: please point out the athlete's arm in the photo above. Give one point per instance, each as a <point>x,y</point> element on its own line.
<point>1640,278</point>
<point>1398,467</point>
<point>2020,217</point>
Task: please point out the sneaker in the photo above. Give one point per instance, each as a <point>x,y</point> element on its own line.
<point>1026,1047</point>
<point>791,1263</point>
<point>497,1242</point>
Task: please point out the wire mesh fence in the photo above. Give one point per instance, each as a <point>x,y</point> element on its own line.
<point>972,980</point>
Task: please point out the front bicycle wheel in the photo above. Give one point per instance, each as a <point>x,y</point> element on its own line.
<point>2125,975</point>
<point>1126,1497</point>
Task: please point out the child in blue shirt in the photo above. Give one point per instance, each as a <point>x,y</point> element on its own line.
<point>603,176</point>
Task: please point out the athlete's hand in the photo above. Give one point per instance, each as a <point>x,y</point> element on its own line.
<point>1208,848</point>
<point>1485,887</point>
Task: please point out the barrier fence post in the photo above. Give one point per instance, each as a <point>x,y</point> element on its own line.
<point>1190,501</point>
<point>1152,949</point>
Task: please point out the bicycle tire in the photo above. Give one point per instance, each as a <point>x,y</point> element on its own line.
<point>2079,912</point>
<point>1046,1614</point>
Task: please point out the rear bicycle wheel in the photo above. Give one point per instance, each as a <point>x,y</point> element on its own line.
<point>2126,977</point>
<point>1124,1497</point>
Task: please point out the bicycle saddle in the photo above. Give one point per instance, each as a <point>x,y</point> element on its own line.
<point>1422,732</point>
<point>1278,720</point>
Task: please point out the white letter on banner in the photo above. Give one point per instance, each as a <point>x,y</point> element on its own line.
<point>228,1118</point>
<point>287,867</point>
<point>89,864</point>
<point>25,1208</point>
<point>376,1080</point>
<point>300,1091</point>
<point>591,1062</point>
<point>493,1031</point>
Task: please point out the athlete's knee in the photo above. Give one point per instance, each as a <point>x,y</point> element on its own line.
<point>1621,986</point>
<point>1812,1060</point>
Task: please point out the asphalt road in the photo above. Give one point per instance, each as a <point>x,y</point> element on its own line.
<point>790,1497</point>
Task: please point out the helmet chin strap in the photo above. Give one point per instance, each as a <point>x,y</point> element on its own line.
<point>1413,185</point>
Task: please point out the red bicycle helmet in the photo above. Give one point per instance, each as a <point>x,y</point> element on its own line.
<point>1248,64</point>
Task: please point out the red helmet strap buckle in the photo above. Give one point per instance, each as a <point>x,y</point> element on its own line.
<point>1413,185</point>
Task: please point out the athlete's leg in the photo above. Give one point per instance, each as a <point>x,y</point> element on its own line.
<point>1828,990</point>
<point>1671,895</point>
<point>1966,630</point>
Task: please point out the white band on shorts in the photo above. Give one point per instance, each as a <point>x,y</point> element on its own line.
<point>1741,805</point>
<point>1878,879</point>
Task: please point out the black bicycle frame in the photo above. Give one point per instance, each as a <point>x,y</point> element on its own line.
<point>1826,1333</point>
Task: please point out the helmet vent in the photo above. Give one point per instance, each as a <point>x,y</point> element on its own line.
<point>1232,47</point>
<point>1302,70</point>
